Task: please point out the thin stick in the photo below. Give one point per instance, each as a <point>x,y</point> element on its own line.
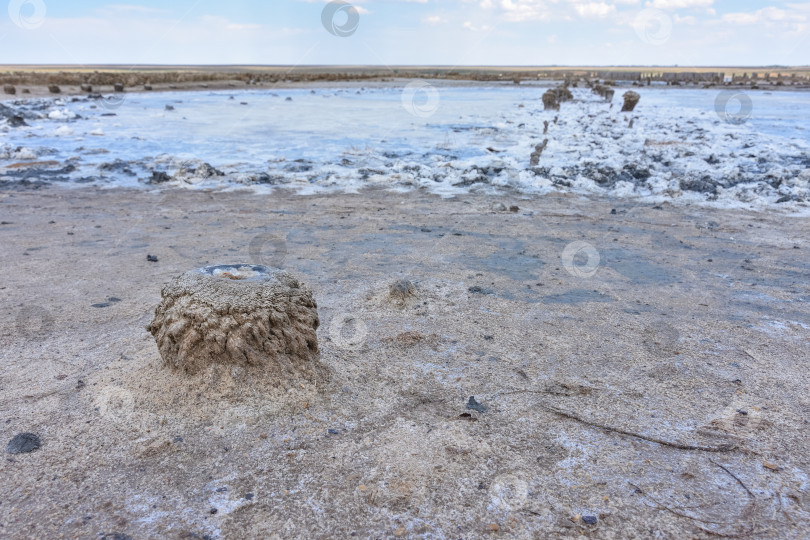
<point>723,448</point>
<point>734,476</point>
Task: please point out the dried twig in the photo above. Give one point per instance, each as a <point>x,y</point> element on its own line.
<point>722,448</point>
<point>734,476</point>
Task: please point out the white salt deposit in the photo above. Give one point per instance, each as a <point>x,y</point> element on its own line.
<point>473,138</point>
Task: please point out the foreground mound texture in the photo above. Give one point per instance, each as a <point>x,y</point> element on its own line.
<point>251,319</point>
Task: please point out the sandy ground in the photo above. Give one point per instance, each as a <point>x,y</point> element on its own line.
<point>654,385</point>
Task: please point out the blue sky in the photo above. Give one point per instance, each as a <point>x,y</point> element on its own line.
<point>415,32</point>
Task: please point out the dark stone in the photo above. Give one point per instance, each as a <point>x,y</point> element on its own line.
<point>115,536</point>
<point>702,185</point>
<point>213,511</point>
<point>17,121</point>
<point>152,258</point>
<point>589,520</point>
<point>101,305</point>
<point>333,432</point>
<point>475,289</point>
<point>23,443</point>
<point>475,406</point>
<point>159,177</point>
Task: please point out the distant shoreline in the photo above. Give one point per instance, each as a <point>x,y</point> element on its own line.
<point>33,86</point>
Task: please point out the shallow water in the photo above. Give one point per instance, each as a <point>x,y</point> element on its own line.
<point>447,139</point>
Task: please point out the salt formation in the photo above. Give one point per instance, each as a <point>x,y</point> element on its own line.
<point>248,323</point>
<point>630,100</point>
<point>550,102</point>
<point>604,91</point>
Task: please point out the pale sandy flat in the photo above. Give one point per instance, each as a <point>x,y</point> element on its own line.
<point>663,395</point>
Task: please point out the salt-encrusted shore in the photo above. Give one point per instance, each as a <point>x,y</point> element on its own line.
<point>636,369</point>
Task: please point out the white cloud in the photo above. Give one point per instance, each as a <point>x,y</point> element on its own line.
<point>680,4</point>
<point>765,15</point>
<point>594,9</point>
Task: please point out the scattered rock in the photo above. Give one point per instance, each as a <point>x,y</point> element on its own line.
<point>147,87</point>
<point>16,121</point>
<point>23,443</point>
<point>476,289</point>
<point>169,107</point>
<point>118,87</point>
<point>152,258</point>
<point>631,99</point>
<point>473,405</point>
<point>86,88</point>
<point>54,89</point>
<point>589,520</point>
<point>159,177</point>
<point>9,89</point>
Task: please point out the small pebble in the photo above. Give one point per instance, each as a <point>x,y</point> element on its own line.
<point>152,258</point>
<point>23,443</point>
<point>213,511</point>
<point>589,520</point>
